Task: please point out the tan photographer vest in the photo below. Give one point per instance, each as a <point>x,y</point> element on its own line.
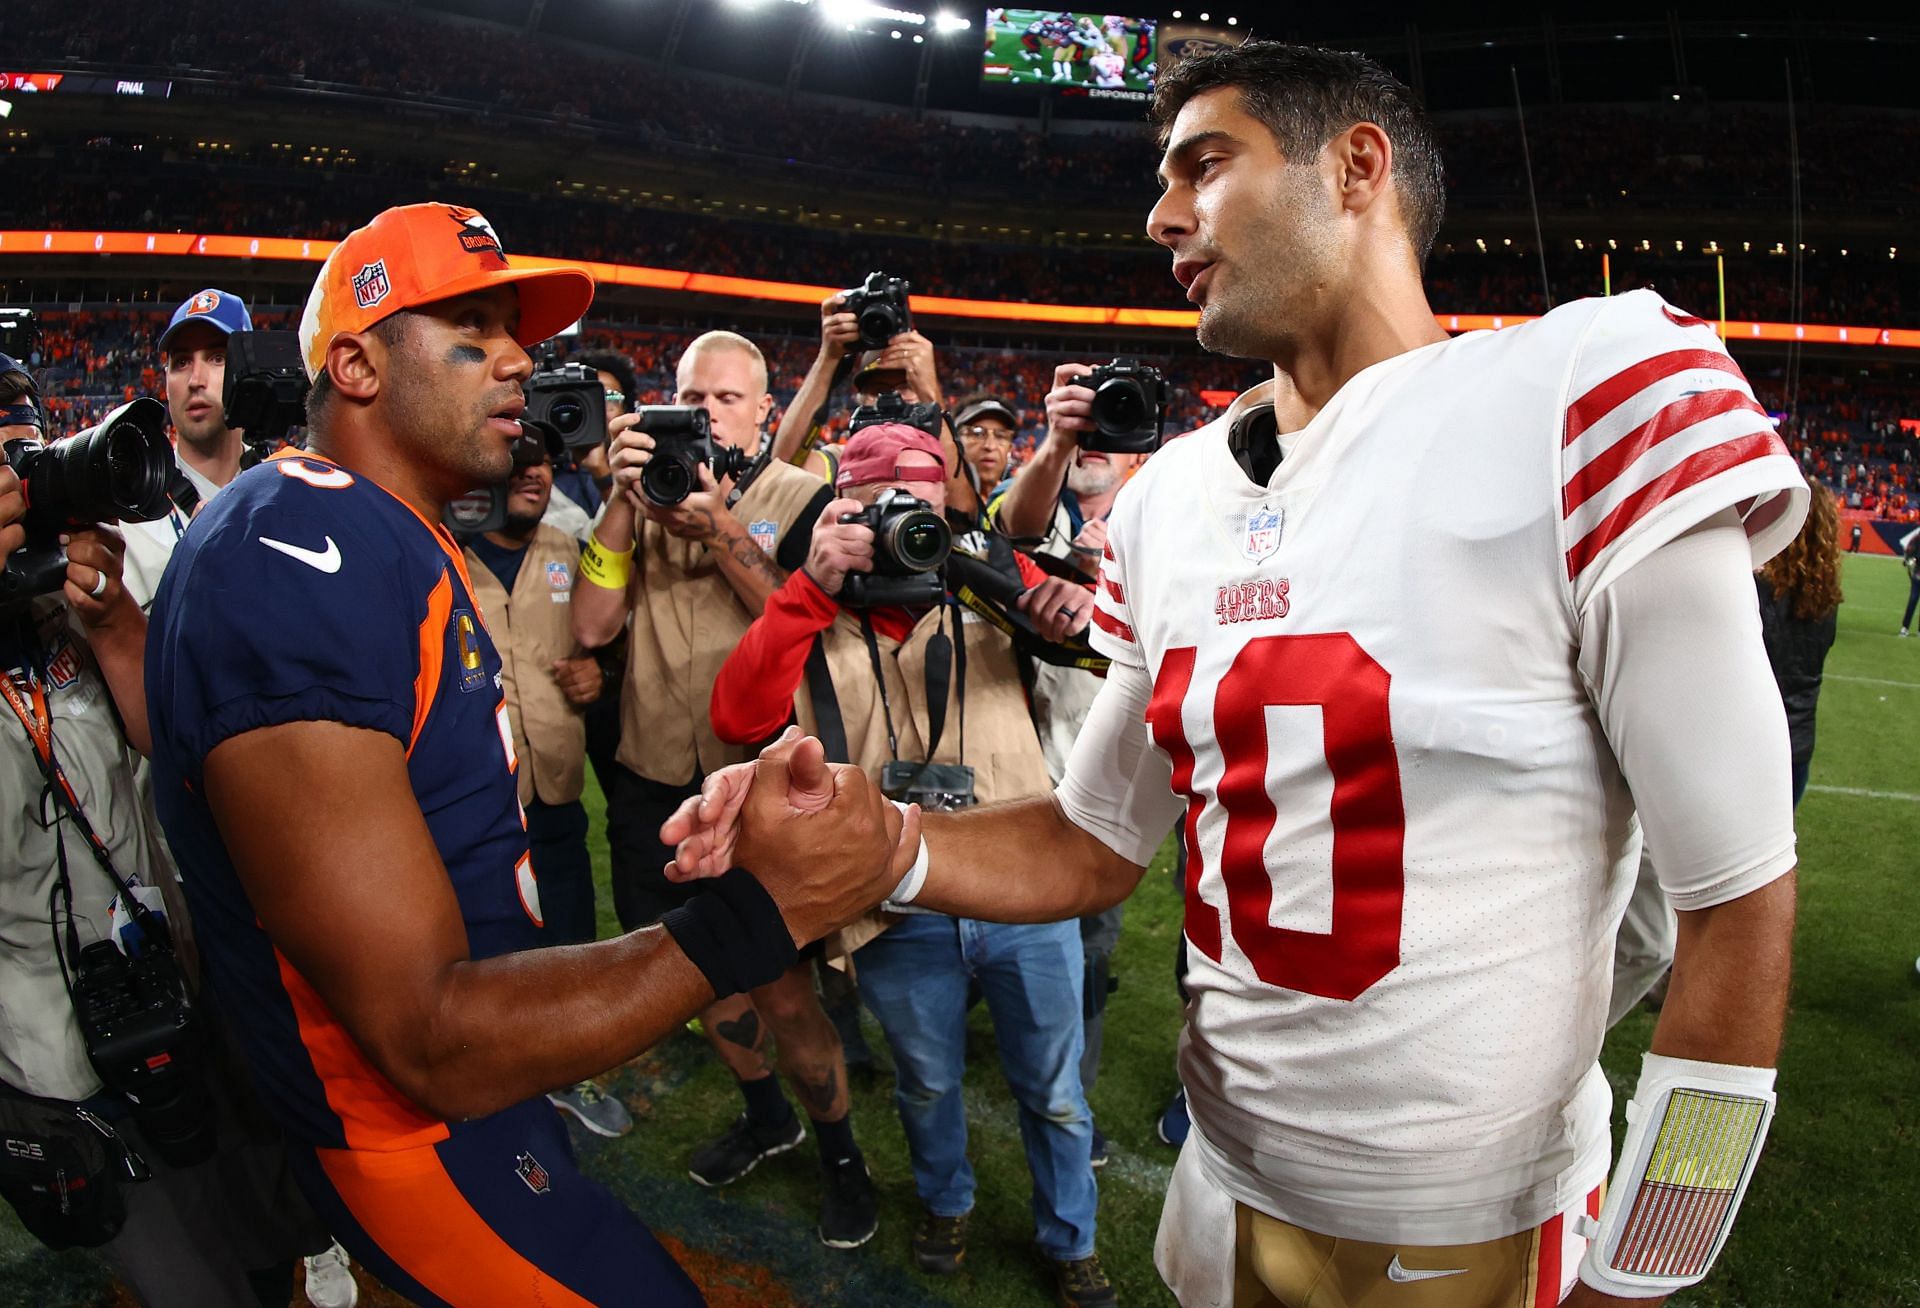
<point>686,620</point>
<point>1001,746</point>
<point>532,628</point>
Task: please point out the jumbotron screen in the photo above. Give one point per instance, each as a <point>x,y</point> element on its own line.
<point>1106,55</point>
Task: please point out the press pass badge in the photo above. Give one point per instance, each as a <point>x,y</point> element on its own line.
<point>123,928</point>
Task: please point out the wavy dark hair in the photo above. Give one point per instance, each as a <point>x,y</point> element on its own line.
<point>1306,96</point>
<point>1807,572</point>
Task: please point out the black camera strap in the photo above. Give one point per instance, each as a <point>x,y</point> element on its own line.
<point>827,721</point>
<point>944,661</point>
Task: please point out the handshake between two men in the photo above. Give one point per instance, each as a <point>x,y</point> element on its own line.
<point>828,845</point>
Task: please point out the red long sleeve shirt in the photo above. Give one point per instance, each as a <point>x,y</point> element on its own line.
<point>753,695</point>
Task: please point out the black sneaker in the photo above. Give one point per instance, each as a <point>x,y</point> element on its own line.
<point>849,1208</point>
<point>1082,1283</point>
<point>740,1149</point>
<point>1099,1149</point>
<point>940,1245</point>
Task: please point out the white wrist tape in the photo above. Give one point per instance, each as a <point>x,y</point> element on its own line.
<point>916,876</point>
<point>1694,1132</point>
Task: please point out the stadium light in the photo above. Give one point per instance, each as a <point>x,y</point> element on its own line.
<point>950,22</point>
<point>853,12</point>
<point>6,108</point>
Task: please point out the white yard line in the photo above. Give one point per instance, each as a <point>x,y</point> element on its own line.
<point>1865,794</point>
<point>1874,681</point>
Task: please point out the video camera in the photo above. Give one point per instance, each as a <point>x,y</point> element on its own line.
<point>265,393</point>
<point>117,471</point>
<point>484,508</point>
<point>682,441</point>
<point>19,334</point>
<point>879,304</point>
<point>1129,408</point>
<point>910,547</point>
<point>568,400</point>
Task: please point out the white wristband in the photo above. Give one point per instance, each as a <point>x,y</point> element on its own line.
<point>1694,1133</point>
<point>916,876</point>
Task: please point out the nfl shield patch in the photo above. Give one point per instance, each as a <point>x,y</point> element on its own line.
<point>558,577</point>
<point>370,284</point>
<point>532,1173</point>
<point>1263,533</point>
<point>765,534</point>
<point>63,669</point>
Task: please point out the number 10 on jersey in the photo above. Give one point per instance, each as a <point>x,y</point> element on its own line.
<point>1332,672</point>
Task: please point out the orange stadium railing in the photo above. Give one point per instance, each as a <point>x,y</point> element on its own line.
<point>294,249</point>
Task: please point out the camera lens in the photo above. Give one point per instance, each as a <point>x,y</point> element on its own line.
<point>567,415</point>
<point>134,479</point>
<point>1120,406</point>
<point>667,480</point>
<point>878,324</point>
<point>118,470</point>
<point>920,541</point>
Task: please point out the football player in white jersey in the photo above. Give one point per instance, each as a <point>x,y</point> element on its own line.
<point>1418,643</point>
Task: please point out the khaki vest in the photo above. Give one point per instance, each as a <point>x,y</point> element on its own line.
<point>686,620</point>
<point>532,628</point>
<point>1001,746</point>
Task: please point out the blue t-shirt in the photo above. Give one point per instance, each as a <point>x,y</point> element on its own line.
<point>305,592</point>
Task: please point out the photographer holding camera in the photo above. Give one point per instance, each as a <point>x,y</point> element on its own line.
<point>683,565</point>
<point>119,1135</point>
<point>867,336</point>
<point>865,647</point>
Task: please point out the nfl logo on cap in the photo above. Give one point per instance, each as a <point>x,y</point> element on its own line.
<point>370,284</point>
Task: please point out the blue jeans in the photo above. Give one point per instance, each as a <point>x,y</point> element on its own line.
<point>915,979</point>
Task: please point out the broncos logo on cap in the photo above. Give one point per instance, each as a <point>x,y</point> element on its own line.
<point>476,233</point>
<point>205,302</point>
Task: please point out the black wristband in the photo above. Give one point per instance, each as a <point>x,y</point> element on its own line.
<point>733,932</point>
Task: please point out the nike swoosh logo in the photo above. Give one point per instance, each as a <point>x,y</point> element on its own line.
<point>1402,1276</point>
<point>326,560</point>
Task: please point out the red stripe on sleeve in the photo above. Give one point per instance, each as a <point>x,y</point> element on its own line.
<point>1112,588</point>
<point>1689,472</point>
<point>1169,732</point>
<point>1616,390</point>
<point>1678,416</point>
<point>1112,625</point>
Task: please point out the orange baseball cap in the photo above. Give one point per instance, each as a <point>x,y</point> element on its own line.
<point>415,254</point>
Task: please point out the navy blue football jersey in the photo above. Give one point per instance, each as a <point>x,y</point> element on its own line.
<point>306,592</point>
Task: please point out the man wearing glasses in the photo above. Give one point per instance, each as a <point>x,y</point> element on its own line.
<point>986,428</point>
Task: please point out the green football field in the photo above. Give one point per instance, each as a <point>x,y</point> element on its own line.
<point>1831,1219</point>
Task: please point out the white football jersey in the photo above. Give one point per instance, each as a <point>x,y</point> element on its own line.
<point>1408,840</point>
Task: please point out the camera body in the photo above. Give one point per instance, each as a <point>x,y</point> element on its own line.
<point>145,1041</point>
<point>910,547</point>
<point>117,471</point>
<point>265,393</point>
<point>682,441</point>
<point>1129,408</point>
<point>879,304</point>
<point>889,407</point>
<point>568,400</point>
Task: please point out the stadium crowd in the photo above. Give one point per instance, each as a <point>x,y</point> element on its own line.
<point>1848,437</point>
<point>1665,158</point>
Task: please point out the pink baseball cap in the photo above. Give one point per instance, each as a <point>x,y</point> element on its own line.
<point>873,454</point>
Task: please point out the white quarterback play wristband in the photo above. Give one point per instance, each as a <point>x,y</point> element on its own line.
<point>1694,1132</point>
<point>916,876</point>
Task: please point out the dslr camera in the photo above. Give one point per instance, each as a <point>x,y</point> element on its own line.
<point>889,407</point>
<point>910,547</point>
<point>1129,408</point>
<point>879,304</point>
<point>568,400</point>
<point>117,471</point>
<point>146,1042</point>
<point>265,394</point>
<point>682,441</point>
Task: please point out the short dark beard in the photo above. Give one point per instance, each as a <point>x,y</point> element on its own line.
<point>521,526</point>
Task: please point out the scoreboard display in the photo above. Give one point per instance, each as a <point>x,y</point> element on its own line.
<point>1109,56</point>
